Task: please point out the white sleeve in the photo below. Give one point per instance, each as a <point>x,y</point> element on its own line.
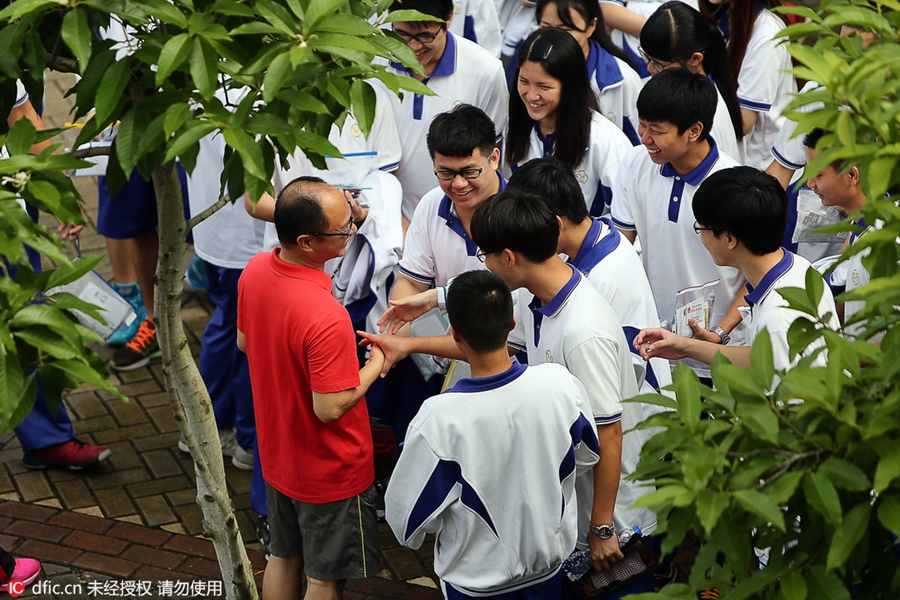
<point>495,99</point>
<point>787,149</point>
<point>617,145</point>
<point>384,136</point>
<point>621,210</point>
<point>418,255</point>
<point>517,338</point>
<point>21,94</point>
<point>760,72</point>
<point>595,362</point>
<point>413,502</point>
<point>483,24</point>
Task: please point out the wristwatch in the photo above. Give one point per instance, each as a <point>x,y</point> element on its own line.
<point>722,335</point>
<point>604,532</point>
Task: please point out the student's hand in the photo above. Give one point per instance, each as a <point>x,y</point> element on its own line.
<point>358,213</point>
<point>661,343</point>
<point>69,232</point>
<point>704,335</point>
<point>604,553</point>
<point>391,346</point>
<point>406,310</point>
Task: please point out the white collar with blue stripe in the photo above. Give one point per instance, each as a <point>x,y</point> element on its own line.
<point>694,178</point>
<point>594,248</point>
<point>756,294</point>
<point>485,384</point>
<point>447,212</point>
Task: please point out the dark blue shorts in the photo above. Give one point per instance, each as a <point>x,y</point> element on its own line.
<point>132,212</point>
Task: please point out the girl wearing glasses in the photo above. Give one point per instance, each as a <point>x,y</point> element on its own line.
<point>554,112</point>
<point>610,71</point>
<point>677,35</point>
<point>760,63</point>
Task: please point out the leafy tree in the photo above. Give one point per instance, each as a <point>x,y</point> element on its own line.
<point>304,64</point>
<point>805,463</point>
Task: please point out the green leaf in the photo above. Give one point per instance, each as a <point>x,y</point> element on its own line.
<point>112,89</point>
<point>77,35</point>
<point>17,10</point>
<point>757,582</point>
<point>762,506</point>
<point>762,362</point>
<point>275,75</point>
<point>889,513</point>
<point>888,468</point>
<point>167,11</point>
<point>317,11</point>
<point>710,505</point>
<point>182,143</point>
<point>12,382</point>
<point>363,98</point>
<point>86,374</point>
<point>823,497</point>
<point>687,390</point>
<point>410,16</point>
<point>345,23</point>
<point>825,586</point>
<point>171,56</point>
<point>203,67</point>
<point>848,534</point>
<point>760,419</point>
<point>845,475</point>
<point>47,341</point>
<point>784,487</point>
<point>21,137</point>
<point>793,586</point>
<point>176,116</point>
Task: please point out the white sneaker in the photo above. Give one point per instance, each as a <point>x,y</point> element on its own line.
<point>243,458</point>
<point>229,442</point>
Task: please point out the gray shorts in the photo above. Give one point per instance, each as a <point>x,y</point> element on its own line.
<point>337,540</point>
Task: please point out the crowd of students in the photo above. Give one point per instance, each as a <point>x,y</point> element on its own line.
<point>636,229</point>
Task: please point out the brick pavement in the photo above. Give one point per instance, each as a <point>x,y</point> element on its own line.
<point>135,517</point>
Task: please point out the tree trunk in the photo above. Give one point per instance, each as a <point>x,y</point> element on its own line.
<point>188,395</point>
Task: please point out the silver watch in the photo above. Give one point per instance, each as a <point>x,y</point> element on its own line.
<point>722,335</point>
<point>604,532</point>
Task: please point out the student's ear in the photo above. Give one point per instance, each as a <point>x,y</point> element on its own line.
<point>455,335</point>
<point>509,256</point>
<point>495,155</point>
<point>448,20</point>
<point>559,222</point>
<point>731,240</point>
<point>695,60</point>
<point>512,325</point>
<point>853,176</point>
<point>589,30</point>
<point>694,131</point>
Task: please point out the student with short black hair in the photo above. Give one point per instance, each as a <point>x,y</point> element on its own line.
<point>677,35</point>
<point>458,71</point>
<point>541,425</point>
<point>655,187</point>
<point>740,216</point>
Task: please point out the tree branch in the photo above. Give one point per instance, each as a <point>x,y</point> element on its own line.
<point>207,212</point>
<point>61,63</point>
<point>90,151</point>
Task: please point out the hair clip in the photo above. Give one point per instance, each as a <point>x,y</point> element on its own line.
<point>547,53</point>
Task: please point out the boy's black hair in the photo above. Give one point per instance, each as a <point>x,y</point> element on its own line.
<point>519,220</point>
<point>554,181</point>
<point>298,211</point>
<point>747,203</point>
<point>680,97</point>
<point>440,9</point>
<point>459,131</point>
<point>480,308</point>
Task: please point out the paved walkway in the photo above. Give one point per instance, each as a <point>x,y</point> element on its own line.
<point>131,526</point>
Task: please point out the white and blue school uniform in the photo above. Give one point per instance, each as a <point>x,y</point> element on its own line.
<point>447,482</point>
<point>613,267</point>
<point>617,87</point>
<point>628,42</point>
<point>465,74</point>
<point>848,276</point>
<point>722,130</point>
<point>579,330</point>
<point>597,172</point>
<point>764,85</point>
<point>517,22</point>
<point>437,245</point>
<point>766,308</point>
<point>655,201</point>
<point>477,20</point>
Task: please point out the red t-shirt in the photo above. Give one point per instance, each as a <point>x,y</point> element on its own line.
<point>299,340</point>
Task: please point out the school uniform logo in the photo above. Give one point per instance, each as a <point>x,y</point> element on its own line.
<point>549,357</point>
<point>855,277</point>
<point>582,176</point>
<point>457,8</point>
<point>355,131</point>
<point>611,116</point>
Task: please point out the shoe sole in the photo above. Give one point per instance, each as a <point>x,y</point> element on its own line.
<point>241,464</point>
<point>58,464</point>
<point>137,364</point>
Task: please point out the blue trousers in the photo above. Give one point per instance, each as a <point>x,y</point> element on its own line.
<point>42,427</point>
<point>225,370</point>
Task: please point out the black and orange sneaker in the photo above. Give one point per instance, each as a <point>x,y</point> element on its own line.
<point>137,353</point>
